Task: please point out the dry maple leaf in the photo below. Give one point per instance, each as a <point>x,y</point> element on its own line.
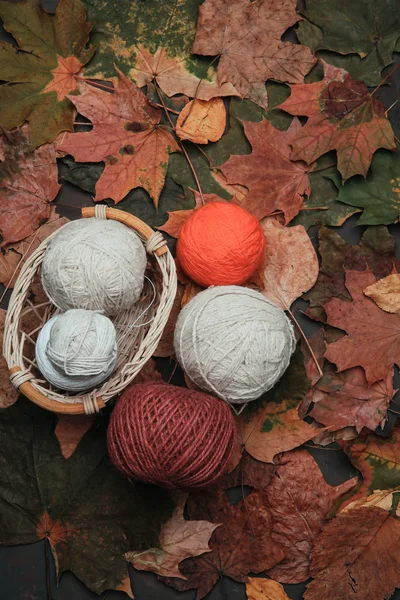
<point>258,588</point>
<point>126,135</point>
<point>300,501</point>
<point>8,393</point>
<point>274,181</point>
<point>202,121</point>
<point>386,293</point>
<point>343,116</point>
<point>344,400</point>
<point>291,264</point>
<point>179,539</point>
<point>373,340</point>
<point>69,431</point>
<point>28,183</point>
<point>247,37</point>
<point>15,256</point>
<point>173,78</point>
<point>251,472</point>
<point>242,544</point>
<point>356,555</point>
<point>273,425</point>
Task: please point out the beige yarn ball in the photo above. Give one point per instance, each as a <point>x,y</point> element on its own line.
<point>233,342</point>
<point>77,350</point>
<point>96,264</point>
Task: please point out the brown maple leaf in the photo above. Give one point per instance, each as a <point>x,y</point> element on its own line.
<point>247,37</point>
<point>69,431</point>
<point>373,340</point>
<point>300,501</point>
<point>242,544</point>
<point>291,264</point>
<point>356,555</point>
<point>275,182</point>
<point>251,472</point>
<point>179,539</point>
<point>173,78</point>
<point>344,400</point>
<point>343,116</point>
<point>126,135</point>
<point>28,183</point>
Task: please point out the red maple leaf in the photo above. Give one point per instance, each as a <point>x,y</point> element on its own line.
<point>343,116</point>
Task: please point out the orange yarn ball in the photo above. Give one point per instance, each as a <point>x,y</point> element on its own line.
<point>220,244</point>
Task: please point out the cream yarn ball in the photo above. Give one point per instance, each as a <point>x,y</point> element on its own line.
<point>96,264</point>
<point>77,350</point>
<point>233,342</point>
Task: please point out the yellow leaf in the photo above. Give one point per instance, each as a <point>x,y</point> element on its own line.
<point>202,121</point>
<point>265,589</point>
<point>386,293</point>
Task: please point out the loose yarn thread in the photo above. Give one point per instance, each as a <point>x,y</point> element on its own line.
<point>77,350</point>
<point>170,436</point>
<point>233,342</point>
<point>96,264</point>
<point>220,244</point>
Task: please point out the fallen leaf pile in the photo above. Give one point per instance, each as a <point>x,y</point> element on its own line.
<point>159,108</point>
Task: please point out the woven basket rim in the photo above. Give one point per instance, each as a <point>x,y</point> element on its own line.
<point>14,339</point>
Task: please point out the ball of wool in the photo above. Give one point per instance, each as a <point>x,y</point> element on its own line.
<point>220,244</point>
<point>170,436</point>
<point>77,350</point>
<point>233,342</point>
<point>96,264</point>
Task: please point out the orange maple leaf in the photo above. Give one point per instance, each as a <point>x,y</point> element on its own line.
<point>343,116</point>
<point>126,135</point>
<point>247,37</point>
<point>64,76</point>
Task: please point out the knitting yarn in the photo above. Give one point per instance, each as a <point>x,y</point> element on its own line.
<point>77,350</point>
<point>96,264</point>
<point>220,244</point>
<point>233,342</point>
<point>170,436</point>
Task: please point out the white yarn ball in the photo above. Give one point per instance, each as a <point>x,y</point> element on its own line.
<point>77,350</point>
<point>96,264</point>
<point>233,342</point>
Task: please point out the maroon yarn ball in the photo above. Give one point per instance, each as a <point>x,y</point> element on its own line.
<point>171,436</point>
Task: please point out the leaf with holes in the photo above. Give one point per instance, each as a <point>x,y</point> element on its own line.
<point>43,69</point>
<point>247,38</point>
<point>127,136</point>
<point>343,116</point>
<point>28,183</point>
<point>88,513</point>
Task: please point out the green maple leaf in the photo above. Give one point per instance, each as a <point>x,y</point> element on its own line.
<point>88,513</point>
<point>379,194</point>
<point>42,69</point>
<point>369,28</point>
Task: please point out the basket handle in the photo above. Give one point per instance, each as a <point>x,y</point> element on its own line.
<point>127,219</point>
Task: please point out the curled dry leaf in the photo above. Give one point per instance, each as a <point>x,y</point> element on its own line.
<point>373,336</point>
<point>202,121</point>
<point>126,135</point>
<point>368,568</point>
<point>173,78</point>
<point>274,181</point>
<point>179,539</point>
<point>343,116</point>
<point>291,264</point>
<point>258,588</point>
<point>386,293</point>
<point>247,37</point>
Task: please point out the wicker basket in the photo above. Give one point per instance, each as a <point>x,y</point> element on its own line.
<point>136,343</point>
